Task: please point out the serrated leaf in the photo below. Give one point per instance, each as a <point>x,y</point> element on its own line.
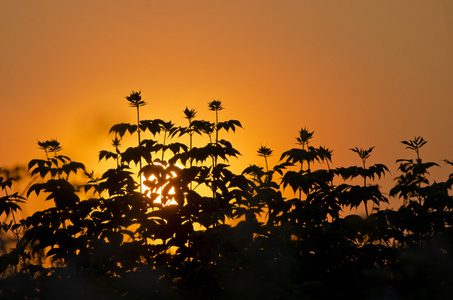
<point>121,129</point>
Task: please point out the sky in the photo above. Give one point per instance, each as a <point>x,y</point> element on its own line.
<point>357,73</point>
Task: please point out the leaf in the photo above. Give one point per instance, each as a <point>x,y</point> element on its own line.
<point>253,170</point>
<point>154,126</point>
<point>121,128</point>
<point>177,147</point>
<point>297,155</point>
<point>39,162</point>
<point>73,167</point>
<point>364,154</point>
<point>135,154</point>
<point>202,126</point>
<point>37,188</point>
<point>157,170</point>
<point>227,125</point>
<point>107,155</point>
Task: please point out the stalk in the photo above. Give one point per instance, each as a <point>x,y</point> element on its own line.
<point>135,100</point>
<point>139,144</point>
<point>364,185</point>
<point>364,154</point>
<point>190,115</point>
<point>163,152</point>
<point>215,105</point>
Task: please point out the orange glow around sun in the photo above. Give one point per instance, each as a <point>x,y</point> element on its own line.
<point>154,186</point>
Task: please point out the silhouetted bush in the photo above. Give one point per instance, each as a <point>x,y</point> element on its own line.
<point>197,229</point>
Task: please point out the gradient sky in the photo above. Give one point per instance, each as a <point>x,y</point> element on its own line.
<point>358,73</point>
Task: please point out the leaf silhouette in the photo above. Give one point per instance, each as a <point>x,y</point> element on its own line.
<point>122,128</point>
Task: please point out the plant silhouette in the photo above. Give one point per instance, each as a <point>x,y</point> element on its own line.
<point>135,100</point>
<point>216,234</point>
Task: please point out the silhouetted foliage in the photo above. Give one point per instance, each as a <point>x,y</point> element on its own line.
<point>184,225</point>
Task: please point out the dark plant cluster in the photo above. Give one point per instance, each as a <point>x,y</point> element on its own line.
<point>185,226</point>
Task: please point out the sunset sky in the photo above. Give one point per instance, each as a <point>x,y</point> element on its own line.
<point>358,73</point>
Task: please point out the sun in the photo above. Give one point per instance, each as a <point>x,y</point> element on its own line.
<point>158,178</point>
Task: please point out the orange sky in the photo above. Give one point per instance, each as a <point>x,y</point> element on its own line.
<point>358,73</point>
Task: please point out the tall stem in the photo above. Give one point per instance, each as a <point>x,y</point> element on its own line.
<point>301,169</point>
<point>419,177</point>
<point>364,185</point>
<point>190,148</point>
<point>215,156</point>
<point>139,145</point>
<point>14,219</point>
<point>163,151</point>
<point>216,128</point>
<point>216,133</point>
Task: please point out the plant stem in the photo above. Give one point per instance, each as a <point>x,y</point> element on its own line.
<point>139,145</point>
<point>163,151</point>
<point>364,185</point>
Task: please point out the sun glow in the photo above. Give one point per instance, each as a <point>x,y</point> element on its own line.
<point>156,181</point>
